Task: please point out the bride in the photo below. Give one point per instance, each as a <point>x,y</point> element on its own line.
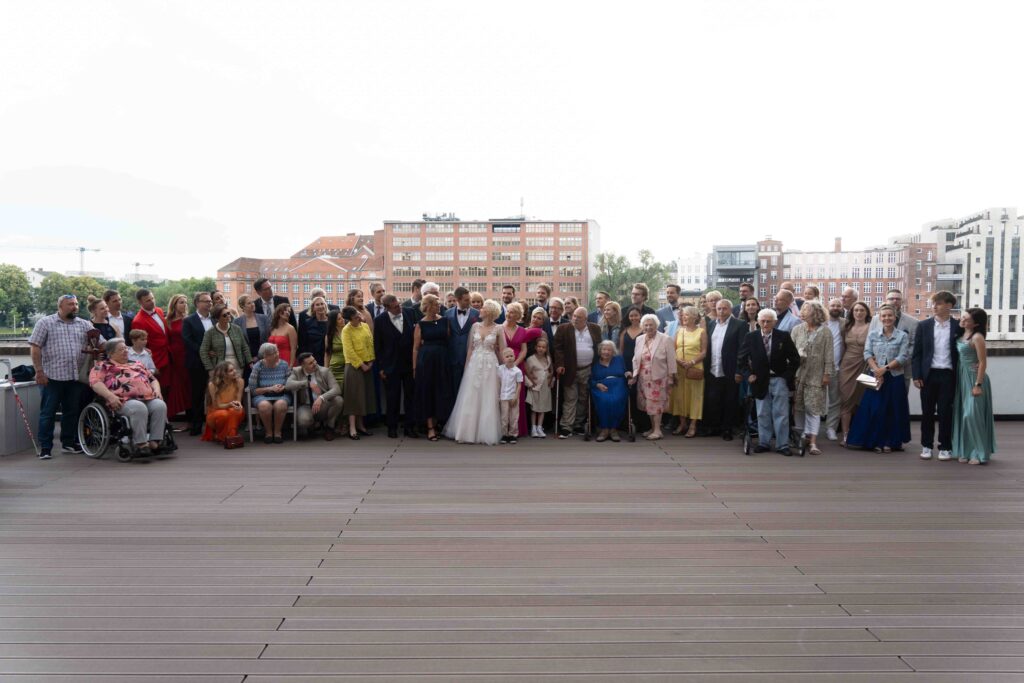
<point>476,417</point>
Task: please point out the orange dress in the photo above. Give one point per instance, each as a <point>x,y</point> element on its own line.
<point>223,422</point>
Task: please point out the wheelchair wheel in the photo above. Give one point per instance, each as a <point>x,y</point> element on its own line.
<point>747,441</point>
<point>94,430</point>
<point>168,445</point>
<point>124,452</point>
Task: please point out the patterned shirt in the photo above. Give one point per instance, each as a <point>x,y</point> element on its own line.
<point>263,377</point>
<point>128,381</point>
<point>61,343</point>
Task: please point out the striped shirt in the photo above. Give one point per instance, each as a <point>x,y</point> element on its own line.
<point>61,343</point>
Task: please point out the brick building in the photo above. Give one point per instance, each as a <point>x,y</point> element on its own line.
<point>486,255</point>
<point>905,264</point>
<point>335,264</point>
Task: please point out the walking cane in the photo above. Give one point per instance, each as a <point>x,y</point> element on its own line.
<point>558,402</point>
<point>586,437</point>
<point>21,406</point>
<point>629,417</point>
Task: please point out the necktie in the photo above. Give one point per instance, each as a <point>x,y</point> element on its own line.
<point>309,388</point>
<point>767,339</point>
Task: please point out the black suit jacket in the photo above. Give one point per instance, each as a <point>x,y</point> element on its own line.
<point>924,347</point>
<point>784,360</point>
<point>393,349</point>
<point>192,332</point>
<point>278,300</point>
<point>735,333</point>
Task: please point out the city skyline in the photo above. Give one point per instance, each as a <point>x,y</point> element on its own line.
<point>175,134</point>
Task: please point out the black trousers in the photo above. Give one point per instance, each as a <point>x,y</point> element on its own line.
<point>397,385</point>
<point>721,397</point>
<point>938,392</point>
<point>199,378</point>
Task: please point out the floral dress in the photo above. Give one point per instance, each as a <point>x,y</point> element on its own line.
<point>653,395</point>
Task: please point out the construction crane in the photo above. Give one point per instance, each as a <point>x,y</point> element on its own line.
<point>136,271</point>
<point>81,252</point>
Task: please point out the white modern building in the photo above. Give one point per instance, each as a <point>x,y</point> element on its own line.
<point>979,259</point>
<point>692,272</point>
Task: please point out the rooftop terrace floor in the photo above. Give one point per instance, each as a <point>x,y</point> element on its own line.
<point>391,560</point>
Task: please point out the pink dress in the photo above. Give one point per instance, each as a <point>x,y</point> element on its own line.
<point>518,342</point>
<point>653,395</point>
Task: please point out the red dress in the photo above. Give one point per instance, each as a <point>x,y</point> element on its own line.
<point>179,392</point>
<point>284,347</point>
<point>518,342</point>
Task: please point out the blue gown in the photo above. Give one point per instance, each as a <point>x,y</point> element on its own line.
<point>883,418</point>
<point>432,389</point>
<point>974,429</point>
<point>610,405</point>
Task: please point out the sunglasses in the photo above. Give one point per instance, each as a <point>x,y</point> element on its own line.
<point>67,297</point>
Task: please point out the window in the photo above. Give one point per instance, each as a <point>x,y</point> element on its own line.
<point>440,241</point>
<point>855,272</point>
<point>928,271</point>
<point>867,288</point>
<point>569,271</point>
<point>295,288</point>
<point>407,256</point>
<point>775,260</point>
<point>575,256</point>
<point>473,271</point>
<point>405,228</point>
<point>405,271</point>
<point>892,257</point>
<point>329,287</point>
<point>878,257</point>
<point>764,292</point>
<point>879,273</point>
<point>774,289</point>
<point>540,256</point>
<point>473,256</point>
<point>775,274</point>
<point>917,281</point>
<point>506,228</point>
<point>540,227</point>
<point>439,271</point>
<point>470,241</point>
<point>832,288</point>
<point>507,241</point>
<point>505,271</point>
<point>571,227</point>
<point>764,264</point>
<point>405,242</point>
<point>437,228</point>
<point>472,227</point>
<point>891,271</point>
<point>507,256</point>
<point>227,287</point>
<point>539,271</point>
<point>570,241</point>
<point>440,256</point>
<point>540,241</point>
<point>928,287</point>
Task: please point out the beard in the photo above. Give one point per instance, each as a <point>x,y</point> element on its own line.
<point>835,314</point>
<point>70,315</point>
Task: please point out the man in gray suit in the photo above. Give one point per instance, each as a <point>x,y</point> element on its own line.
<point>318,395</point>
<point>667,313</point>
<point>894,298</point>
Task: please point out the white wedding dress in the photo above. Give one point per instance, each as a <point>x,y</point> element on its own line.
<point>476,417</point>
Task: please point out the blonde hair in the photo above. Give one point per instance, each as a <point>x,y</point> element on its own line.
<point>691,311</point>
<point>477,296</point>
<point>616,307</point>
<point>817,310</point>
<point>427,300</point>
<point>491,310</point>
<point>172,304</point>
<point>514,306</point>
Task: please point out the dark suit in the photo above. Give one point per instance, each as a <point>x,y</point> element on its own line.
<point>939,390</point>
<point>666,314</point>
<point>721,394</point>
<point>458,343</point>
<point>393,350</point>
<point>278,300</point>
<point>192,333</point>
<point>300,330</point>
<point>594,316</point>
<point>375,309</point>
<point>772,396</point>
<point>575,380</point>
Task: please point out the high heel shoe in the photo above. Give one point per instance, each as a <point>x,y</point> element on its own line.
<point>354,437</point>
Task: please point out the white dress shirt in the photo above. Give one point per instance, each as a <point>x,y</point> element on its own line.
<point>157,318</point>
<point>206,321</point>
<point>398,322</point>
<point>584,347</point>
<point>117,322</point>
<point>717,339</point>
<point>511,378</point>
<point>942,357</point>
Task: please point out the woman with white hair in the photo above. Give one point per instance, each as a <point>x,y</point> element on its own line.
<point>476,415</point>
<point>268,393</point>
<point>813,340</point>
<point>654,372</point>
<point>608,377</point>
<point>132,390</point>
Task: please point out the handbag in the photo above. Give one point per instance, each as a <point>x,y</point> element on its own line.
<point>692,372</point>
<point>233,441</point>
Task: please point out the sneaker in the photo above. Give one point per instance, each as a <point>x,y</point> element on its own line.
<point>926,454</point>
<point>945,455</point>
<point>831,435</point>
<point>44,454</point>
<point>513,439</point>
<point>564,433</point>
<point>74,448</point>
<point>541,434</point>
<point>503,439</point>
<point>760,449</point>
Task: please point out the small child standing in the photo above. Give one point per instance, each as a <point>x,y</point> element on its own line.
<point>508,396</point>
<point>539,381</point>
<point>137,351</point>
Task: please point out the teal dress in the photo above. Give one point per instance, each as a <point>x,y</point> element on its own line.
<point>974,431</point>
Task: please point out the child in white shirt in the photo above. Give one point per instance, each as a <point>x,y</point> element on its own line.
<point>138,352</point>
<point>510,378</point>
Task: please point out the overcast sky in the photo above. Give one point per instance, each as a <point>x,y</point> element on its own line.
<point>186,134</point>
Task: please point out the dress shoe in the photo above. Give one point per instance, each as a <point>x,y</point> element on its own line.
<point>760,449</point>
<point>363,432</point>
<point>392,433</point>
<point>786,452</point>
<point>411,433</point>
<point>354,437</point>
<point>328,434</point>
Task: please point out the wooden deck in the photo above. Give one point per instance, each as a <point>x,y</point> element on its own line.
<point>390,560</point>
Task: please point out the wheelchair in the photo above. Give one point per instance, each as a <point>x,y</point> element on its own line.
<point>99,428</point>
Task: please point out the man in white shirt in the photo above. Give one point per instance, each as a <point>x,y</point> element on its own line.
<point>835,326</point>
<point>193,328</point>
<point>120,321</point>
<point>788,319</point>
<point>934,363</point>
<point>721,388</point>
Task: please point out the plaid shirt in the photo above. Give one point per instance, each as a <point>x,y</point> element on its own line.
<point>61,343</point>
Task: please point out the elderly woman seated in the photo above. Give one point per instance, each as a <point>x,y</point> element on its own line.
<point>269,395</point>
<point>130,389</point>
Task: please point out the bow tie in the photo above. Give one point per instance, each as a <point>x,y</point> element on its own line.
<point>462,312</point>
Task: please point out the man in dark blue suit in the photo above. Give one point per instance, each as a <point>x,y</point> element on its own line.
<point>508,295</point>
<point>601,298</point>
<point>392,344</point>
<point>933,364</point>
<point>721,396</point>
<point>193,328</point>
<point>772,360</point>
<point>460,321</point>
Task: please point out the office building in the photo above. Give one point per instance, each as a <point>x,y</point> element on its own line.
<point>731,265</point>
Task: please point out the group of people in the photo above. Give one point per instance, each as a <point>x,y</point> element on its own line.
<point>476,370</point>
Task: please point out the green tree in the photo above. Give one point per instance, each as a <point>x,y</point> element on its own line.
<point>16,302</point>
<point>55,285</point>
<point>187,286</point>
<point>616,275</point>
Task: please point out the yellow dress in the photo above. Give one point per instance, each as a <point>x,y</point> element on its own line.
<point>688,394</point>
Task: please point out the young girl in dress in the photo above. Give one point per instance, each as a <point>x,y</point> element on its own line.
<point>539,380</point>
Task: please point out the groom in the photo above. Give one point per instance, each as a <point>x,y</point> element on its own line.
<point>460,321</point>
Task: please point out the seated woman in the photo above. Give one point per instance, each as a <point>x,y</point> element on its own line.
<point>269,396</point>
<point>608,390</point>
<point>224,410</point>
<point>130,389</point>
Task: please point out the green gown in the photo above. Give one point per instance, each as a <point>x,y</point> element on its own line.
<point>974,432</point>
<point>337,365</point>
